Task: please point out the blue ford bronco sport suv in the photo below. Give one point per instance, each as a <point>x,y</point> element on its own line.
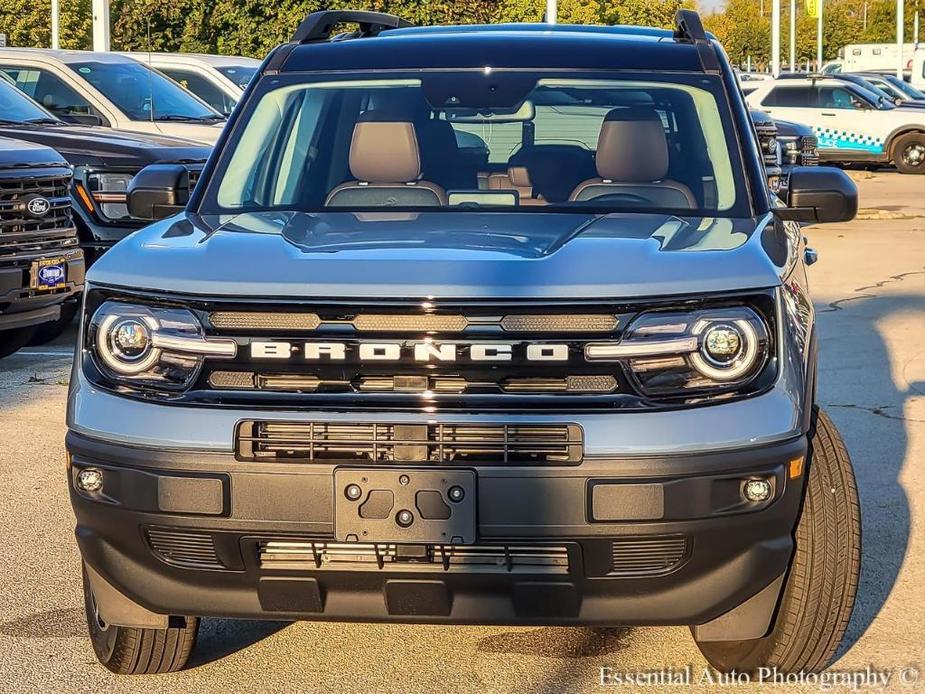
<point>482,324</point>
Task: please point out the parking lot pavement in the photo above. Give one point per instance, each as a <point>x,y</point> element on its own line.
<point>870,291</point>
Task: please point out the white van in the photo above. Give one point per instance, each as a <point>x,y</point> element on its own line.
<point>111,90</point>
<point>219,80</point>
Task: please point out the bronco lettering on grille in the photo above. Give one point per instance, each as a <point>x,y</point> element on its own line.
<point>416,351</point>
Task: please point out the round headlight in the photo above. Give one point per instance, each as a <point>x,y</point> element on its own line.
<point>125,343</point>
<point>722,343</point>
<point>130,339</point>
<point>729,350</point>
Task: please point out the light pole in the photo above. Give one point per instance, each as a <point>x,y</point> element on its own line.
<point>900,38</point>
<point>775,38</point>
<point>819,37</point>
<point>100,25</point>
<point>552,10</point>
<point>55,43</point>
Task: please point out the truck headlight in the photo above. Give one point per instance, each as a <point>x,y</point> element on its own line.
<point>704,351</point>
<point>148,346</point>
<point>108,193</point>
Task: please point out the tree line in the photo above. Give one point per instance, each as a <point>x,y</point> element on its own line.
<point>253,27</point>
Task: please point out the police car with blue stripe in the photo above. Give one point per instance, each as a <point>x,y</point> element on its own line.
<point>852,124</point>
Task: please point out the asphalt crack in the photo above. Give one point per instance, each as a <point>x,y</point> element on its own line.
<point>838,304</point>
<point>877,411</point>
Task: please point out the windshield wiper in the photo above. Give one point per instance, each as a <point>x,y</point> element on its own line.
<point>189,119</point>
<point>44,121</point>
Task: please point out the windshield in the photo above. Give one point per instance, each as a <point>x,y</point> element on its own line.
<point>142,93</point>
<point>16,107</point>
<point>241,75</point>
<point>497,139</point>
<point>905,87</point>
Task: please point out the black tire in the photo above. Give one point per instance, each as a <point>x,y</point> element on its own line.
<point>822,582</point>
<point>49,331</point>
<point>909,153</point>
<point>14,340</point>
<point>133,651</point>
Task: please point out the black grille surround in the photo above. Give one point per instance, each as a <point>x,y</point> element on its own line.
<point>455,444</point>
<point>466,386</point>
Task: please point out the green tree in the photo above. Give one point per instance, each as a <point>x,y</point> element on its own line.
<point>28,23</point>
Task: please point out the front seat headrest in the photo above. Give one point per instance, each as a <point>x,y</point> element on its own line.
<point>632,147</point>
<point>384,149</point>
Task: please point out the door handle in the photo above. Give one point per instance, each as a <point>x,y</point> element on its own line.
<point>827,113</point>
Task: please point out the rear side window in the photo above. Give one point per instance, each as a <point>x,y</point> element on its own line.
<point>49,90</point>
<point>792,97</point>
<point>201,87</point>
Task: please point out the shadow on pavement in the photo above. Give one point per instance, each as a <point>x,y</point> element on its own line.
<point>68,622</point>
<point>858,387</point>
<point>219,638</point>
<point>558,642</point>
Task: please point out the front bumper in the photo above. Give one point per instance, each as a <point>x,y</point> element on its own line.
<point>20,305</point>
<point>187,533</point>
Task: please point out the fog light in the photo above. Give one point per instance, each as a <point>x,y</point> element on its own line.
<point>757,490</point>
<point>90,480</point>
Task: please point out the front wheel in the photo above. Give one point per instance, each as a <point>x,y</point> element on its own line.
<point>134,651</point>
<point>909,153</point>
<point>822,582</point>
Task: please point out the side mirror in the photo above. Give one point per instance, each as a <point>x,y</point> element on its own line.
<point>819,194</point>
<point>158,191</point>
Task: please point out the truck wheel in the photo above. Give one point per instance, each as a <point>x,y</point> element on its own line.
<point>13,340</point>
<point>822,582</point>
<point>133,651</point>
<point>909,153</point>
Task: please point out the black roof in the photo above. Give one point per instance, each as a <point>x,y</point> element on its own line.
<point>501,45</point>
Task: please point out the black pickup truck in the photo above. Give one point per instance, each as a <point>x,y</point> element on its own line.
<point>104,162</point>
<point>41,264</point>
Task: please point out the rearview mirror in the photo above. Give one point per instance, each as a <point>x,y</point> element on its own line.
<point>819,194</point>
<point>158,191</point>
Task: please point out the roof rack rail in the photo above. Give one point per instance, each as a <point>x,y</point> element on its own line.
<point>318,26</point>
<point>688,27</point>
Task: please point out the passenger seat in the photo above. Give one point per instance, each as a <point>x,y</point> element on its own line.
<point>517,178</point>
<point>385,159</point>
<point>633,159</point>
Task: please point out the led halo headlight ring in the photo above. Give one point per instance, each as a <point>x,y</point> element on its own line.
<point>114,357</point>
<point>740,363</point>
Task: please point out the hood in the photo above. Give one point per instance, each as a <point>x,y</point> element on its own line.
<point>786,128</point>
<point>202,133</point>
<point>441,255</point>
<point>16,153</point>
<point>97,146</point>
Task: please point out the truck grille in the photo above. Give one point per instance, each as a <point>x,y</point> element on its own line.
<point>809,151</point>
<point>294,555</point>
<point>22,233</point>
<point>462,444</point>
<point>645,556</point>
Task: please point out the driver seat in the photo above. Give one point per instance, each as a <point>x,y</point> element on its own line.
<point>632,159</point>
<point>385,159</point>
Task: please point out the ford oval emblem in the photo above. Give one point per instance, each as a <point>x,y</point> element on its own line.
<point>38,206</point>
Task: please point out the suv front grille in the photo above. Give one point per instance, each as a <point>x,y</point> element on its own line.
<point>22,233</point>
<point>294,555</point>
<point>462,444</point>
